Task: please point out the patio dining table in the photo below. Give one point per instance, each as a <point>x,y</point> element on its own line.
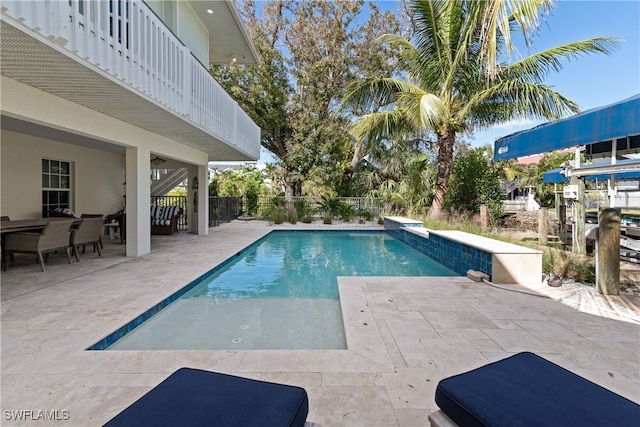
<point>26,225</point>
<point>30,224</point>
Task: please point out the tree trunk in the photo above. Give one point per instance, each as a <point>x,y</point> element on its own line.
<point>445,158</point>
<point>289,189</point>
<point>292,188</point>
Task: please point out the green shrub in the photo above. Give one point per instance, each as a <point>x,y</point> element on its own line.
<point>569,265</point>
<point>277,214</point>
<point>330,205</point>
<point>279,202</point>
<point>366,214</point>
<point>302,207</point>
<point>307,219</point>
<point>293,216</point>
<point>346,211</point>
<point>251,193</point>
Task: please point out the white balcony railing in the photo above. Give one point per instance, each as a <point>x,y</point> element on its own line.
<point>125,39</point>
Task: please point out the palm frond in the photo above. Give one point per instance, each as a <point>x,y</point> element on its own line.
<point>492,24</point>
<point>423,110</point>
<point>535,68</point>
<point>381,125</point>
<point>369,94</point>
<point>516,99</point>
<point>431,20</point>
<point>432,42</point>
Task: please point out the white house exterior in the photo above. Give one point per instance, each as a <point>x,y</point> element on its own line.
<point>91,91</point>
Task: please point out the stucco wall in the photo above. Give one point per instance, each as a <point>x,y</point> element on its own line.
<point>97,177</point>
<point>192,33</point>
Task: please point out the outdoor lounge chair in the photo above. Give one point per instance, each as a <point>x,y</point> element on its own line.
<point>89,231</point>
<point>164,219</point>
<point>192,397</point>
<point>527,390</point>
<point>55,236</point>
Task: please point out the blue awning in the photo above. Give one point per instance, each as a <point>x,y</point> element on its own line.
<point>555,177</point>
<point>617,120</point>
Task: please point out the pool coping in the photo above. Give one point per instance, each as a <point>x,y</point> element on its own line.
<point>503,262</point>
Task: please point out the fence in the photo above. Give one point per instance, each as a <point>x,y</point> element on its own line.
<point>224,209</point>
<point>598,199</point>
<point>221,209</point>
<point>359,204</point>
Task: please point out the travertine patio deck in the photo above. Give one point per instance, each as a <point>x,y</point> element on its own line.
<point>404,335</point>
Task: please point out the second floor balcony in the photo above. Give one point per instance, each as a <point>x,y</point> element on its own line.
<point>117,57</point>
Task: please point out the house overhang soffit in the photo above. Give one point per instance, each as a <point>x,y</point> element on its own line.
<point>228,37</point>
<point>48,68</point>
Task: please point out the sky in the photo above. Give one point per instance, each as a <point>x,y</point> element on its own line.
<point>593,80</point>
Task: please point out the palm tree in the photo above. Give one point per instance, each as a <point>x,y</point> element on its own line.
<point>456,81</point>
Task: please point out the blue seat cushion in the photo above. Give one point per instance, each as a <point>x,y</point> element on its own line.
<point>192,397</point>
<point>527,390</point>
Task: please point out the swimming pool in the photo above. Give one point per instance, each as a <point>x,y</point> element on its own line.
<point>279,293</point>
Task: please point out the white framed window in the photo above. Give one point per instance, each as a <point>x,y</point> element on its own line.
<point>56,185</point>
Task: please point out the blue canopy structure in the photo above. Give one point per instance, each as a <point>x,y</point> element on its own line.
<point>619,120</point>
<point>555,177</point>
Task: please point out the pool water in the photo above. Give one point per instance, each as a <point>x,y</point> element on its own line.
<point>281,293</point>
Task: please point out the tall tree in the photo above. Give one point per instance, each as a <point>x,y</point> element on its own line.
<point>457,80</point>
<point>310,52</point>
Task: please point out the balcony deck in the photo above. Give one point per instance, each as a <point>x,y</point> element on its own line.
<point>126,64</point>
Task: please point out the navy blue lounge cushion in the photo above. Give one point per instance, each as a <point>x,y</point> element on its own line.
<point>192,397</point>
<point>527,390</point>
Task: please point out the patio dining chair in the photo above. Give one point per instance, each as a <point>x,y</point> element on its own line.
<point>101,216</point>
<point>89,231</point>
<point>54,236</point>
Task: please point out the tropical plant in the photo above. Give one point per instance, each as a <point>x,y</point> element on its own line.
<point>346,211</point>
<point>251,193</point>
<point>365,214</point>
<point>278,214</point>
<point>400,175</point>
<point>303,208</point>
<point>475,181</point>
<point>292,216</point>
<point>330,205</point>
<point>457,80</point>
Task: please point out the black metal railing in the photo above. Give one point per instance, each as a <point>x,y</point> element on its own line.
<point>224,209</point>
<point>181,201</point>
<point>221,209</point>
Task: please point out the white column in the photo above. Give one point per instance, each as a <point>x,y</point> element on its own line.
<point>138,202</point>
<point>198,200</point>
<point>203,200</point>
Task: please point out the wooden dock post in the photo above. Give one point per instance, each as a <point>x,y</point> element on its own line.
<point>543,226</point>
<point>484,217</point>
<point>608,261</point>
<point>579,239</point>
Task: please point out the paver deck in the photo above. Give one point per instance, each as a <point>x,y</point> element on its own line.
<point>404,335</point>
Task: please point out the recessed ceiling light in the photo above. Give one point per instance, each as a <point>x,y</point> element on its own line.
<point>210,11</point>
